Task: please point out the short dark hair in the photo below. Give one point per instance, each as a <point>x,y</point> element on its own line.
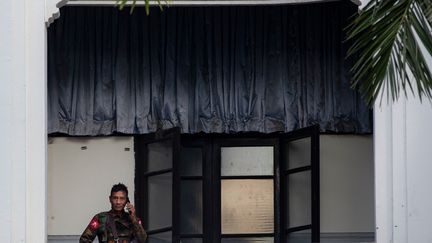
<point>120,187</point>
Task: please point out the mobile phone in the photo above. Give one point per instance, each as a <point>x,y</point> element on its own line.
<point>125,208</point>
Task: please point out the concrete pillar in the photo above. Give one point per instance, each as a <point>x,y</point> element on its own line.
<point>23,121</point>
<point>403,167</point>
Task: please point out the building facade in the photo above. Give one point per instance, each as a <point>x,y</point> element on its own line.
<point>401,133</point>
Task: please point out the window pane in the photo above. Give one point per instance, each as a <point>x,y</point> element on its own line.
<point>191,162</point>
<point>304,236</point>
<point>159,156</point>
<point>248,240</point>
<point>298,153</point>
<point>191,240</point>
<point>247,206</point>
<point>237,161</point>
<point>191,207</point>
<point>160,201</point>
<point>160,238</point>
<point>299,199</point>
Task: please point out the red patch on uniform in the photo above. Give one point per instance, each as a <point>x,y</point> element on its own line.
<point>139,221</point>
<point>94,224</point>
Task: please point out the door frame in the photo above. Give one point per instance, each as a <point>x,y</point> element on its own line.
<point>211,178</point>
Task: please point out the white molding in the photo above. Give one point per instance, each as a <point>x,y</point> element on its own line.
<point>12,122</point>
<point>23,123</point>
<point>390,152</point>
<point>203,3</point>
<point>336,237</point>
<point>35,67</point>
<point>52,7</point>
<point>52,10</point>
<point>399,177</point>
<point>383,152</point>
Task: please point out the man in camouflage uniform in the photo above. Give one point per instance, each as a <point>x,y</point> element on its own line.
<point>127,225</point>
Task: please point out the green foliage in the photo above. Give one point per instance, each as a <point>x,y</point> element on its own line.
<point>391,43</point>
<point>122,3</point>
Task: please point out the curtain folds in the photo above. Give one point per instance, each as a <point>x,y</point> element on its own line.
<point>204,69</point>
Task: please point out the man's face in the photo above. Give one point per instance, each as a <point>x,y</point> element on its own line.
<point>118,200</point>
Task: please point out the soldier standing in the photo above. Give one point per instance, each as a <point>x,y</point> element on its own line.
<point>116,225</point>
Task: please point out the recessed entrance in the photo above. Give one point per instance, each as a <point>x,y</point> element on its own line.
<point>230,187</point>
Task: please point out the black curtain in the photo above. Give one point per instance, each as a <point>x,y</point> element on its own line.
<point>210,69</point>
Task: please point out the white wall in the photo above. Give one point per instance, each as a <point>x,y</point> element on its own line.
<point>22,121</point>
<point>347,183</point>
<point>79,181</point>
<point>403,167</point>
<point>418,171</point>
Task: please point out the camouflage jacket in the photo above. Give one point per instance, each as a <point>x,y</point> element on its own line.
<point>127,229</point>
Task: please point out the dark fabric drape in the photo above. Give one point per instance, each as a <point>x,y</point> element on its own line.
<point>210,69</point>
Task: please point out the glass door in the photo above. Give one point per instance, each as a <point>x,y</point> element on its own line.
<point>195,191</point>
<point>246,182</point>
<point>246,188</point>
<point>156,158</point>
<point>300,185</point>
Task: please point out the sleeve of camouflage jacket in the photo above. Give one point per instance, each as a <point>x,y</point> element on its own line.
<point>138,230</point>
<point>90,232</point>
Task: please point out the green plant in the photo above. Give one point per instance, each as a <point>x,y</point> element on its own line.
<point>392,41</point>
<point>122,3</point>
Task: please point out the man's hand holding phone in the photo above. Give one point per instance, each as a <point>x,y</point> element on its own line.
<point>130,208</point>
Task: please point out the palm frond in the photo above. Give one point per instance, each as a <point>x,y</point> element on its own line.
<point>122,3</point>
<point>391,42</point>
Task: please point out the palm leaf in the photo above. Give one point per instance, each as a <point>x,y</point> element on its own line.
<point>391,43</point>
<point>122,3</point>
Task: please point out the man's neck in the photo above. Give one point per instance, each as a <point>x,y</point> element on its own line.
<point>115,212</point>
